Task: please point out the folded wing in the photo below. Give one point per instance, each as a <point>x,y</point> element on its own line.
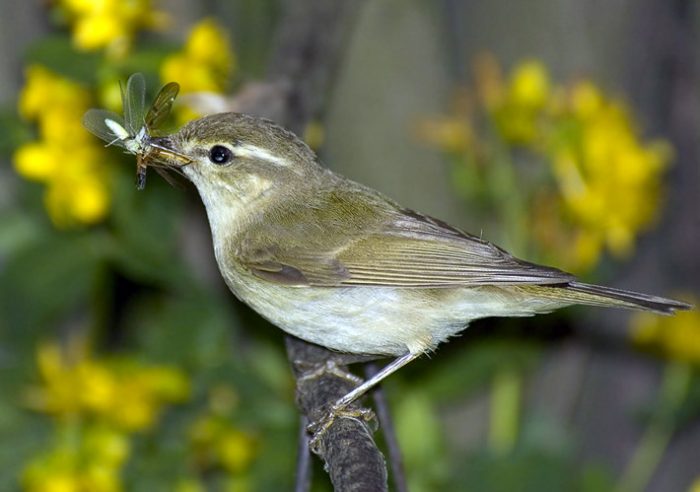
<point>345,242</point>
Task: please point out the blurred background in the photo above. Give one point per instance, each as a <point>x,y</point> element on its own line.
<point>565,131</point>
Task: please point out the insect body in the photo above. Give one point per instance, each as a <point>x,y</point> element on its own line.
<point>134,131</point>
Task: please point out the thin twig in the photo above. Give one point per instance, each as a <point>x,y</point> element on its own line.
<point>386,424</point>
<point>304,472</point>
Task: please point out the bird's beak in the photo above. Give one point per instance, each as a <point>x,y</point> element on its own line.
<point>166,152</point>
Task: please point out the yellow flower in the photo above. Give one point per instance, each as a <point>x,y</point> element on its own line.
<point>35,161</point>
<point>45,90</point>
<point>56,482</point>
<point>61,126</point>
<point>110,95</point>
<point>586,251</point>
<point>89,202</point>
<point>206,63</point>
<point>219,443</point>
<point>677,337</point>
<point>603,182</point>
<point>452,134</point>
<point>236,450</point>
<point>66,158</point>
<point>586,99</point>
<point>143,391</point>
<point>92,32</point>
<point>529,85</point>
<point>490,86</point>
<point>192,75</point>
<point>77,192</point>
<point>126,395</point>
<point>98,402</point>
<point>110,24</point>
<point>81,460</point>
<point>189,485</point>
<point>610,181</point>
<point>519,111</point>
<point>695,487</point>
<point>208,44</point>
<point>107,446</point>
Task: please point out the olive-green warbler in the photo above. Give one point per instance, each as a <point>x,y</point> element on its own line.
<point>339,264</point>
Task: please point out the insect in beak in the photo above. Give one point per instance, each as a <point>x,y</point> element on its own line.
<point>161,147</point>
<point>135,130</point>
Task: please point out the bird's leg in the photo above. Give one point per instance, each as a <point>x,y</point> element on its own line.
<point>390,368</point>
<point>318,427</point>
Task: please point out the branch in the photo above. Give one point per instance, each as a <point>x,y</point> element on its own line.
<point>351,457</point>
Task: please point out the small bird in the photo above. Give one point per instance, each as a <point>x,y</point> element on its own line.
<point>339,264</point>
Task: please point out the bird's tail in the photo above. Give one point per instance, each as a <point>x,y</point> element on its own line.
<point>597,295</point>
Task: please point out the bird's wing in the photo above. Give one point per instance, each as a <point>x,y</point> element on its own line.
<point>347,241</point>
<point>419,251</point>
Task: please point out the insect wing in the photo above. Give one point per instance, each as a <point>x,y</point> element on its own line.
<point>134,103</point>
<point>163,102</point>
<point>106,125</point>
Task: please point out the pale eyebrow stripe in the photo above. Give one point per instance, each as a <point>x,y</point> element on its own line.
<point>248,150</point>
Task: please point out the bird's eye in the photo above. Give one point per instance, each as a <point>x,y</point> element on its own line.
<point>220,155</point>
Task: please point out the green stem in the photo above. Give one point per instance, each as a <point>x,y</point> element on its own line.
<point>655,439</point>
<point>505,411</point>
<point>510,198</point>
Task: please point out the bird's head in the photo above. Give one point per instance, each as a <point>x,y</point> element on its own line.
<point>240,162</point>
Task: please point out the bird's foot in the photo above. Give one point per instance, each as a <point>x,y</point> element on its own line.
<point>329,367</point>
<point>318,428</point>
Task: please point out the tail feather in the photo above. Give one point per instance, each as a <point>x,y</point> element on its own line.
<point>607,296</point>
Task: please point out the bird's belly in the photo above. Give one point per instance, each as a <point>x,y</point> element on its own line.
<point>355,320</point>
<point>372,320</point>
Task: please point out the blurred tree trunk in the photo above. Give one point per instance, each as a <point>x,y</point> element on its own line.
<point>393,77</point>
<point>20,23</point>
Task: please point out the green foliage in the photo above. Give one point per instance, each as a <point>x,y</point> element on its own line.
<point>526,471</point>
<point>57,53</point>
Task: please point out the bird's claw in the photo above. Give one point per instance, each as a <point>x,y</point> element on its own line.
<point>319,427</point>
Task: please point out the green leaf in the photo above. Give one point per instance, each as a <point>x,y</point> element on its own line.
<point>58,54</point>
<point>423,451</point>
<point>145,232</point>
<point>13,131</point>
<point>17,231</point>
<point>46,280</point>
<point>464,369</point>
<point>189,330</point>
<point>526,471</point>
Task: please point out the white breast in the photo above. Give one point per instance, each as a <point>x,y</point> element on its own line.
<point>377,320</point>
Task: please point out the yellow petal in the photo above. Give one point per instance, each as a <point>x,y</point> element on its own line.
<point>89,201</point>
<point>97,31</point>
<point>37,161</point>
<point>529,86</point>
<point>36,94</point>
<point>208,43</point>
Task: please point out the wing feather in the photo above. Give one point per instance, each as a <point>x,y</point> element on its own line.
<point>382,245</point>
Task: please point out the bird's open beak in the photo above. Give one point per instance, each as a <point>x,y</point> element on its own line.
<point>165,152</point>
